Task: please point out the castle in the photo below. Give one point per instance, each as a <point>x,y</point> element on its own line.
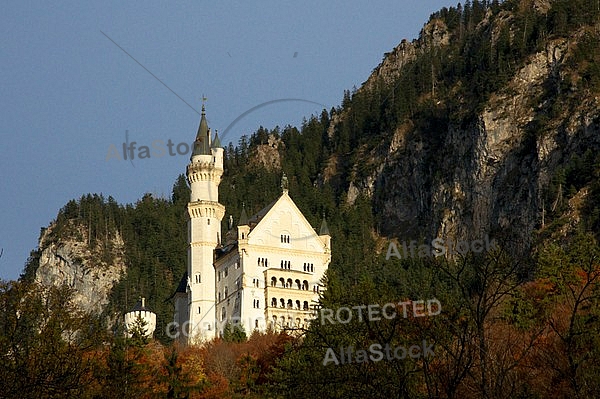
<point>267,271</point>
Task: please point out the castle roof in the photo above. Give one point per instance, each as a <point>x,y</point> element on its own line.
<point>201,144</point>
<point>324,228</point>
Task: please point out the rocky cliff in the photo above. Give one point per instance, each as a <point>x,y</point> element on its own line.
<point>489,173</point>
<point>71,261</point>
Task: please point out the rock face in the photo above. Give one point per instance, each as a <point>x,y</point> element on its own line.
<point>267,155</point>
<point>70,261</point>
<point>488,176</point>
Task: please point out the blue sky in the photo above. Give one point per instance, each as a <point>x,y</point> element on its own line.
<point>69,92</point>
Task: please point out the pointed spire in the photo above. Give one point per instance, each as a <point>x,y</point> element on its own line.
<point>243,217</point>
<point>216,142</point>
<point>201,144</point>
<point>324,231</point>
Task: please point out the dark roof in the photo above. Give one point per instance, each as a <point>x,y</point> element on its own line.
<point>224,250</point>
<point>182,287</point>
<point>138,306</point>
<point>255,219</point>
<point>243,217</point>
<point>324,228</point>
<point>216,142</point>
<point>201,144</point>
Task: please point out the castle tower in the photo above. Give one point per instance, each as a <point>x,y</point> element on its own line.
<point>140,314</point>
<point>204,232</point>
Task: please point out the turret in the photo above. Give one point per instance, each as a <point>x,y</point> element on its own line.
<point>140,316</point>
<point>204,230</point>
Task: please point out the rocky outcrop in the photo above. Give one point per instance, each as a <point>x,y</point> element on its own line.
<point>267,155</point>
<point>72,262</point>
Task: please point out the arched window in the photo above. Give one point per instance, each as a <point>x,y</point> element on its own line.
<point>282,301</point>
<point>289,304</point>
<point>282,281</point>
<point>274,302</point>
<point>305,285</point>
<point>223,314</point>
<point>297,304</point>
<point>273,281</point>
<point>305,307</point>
<point>289,283</point>
<point>298,284</point>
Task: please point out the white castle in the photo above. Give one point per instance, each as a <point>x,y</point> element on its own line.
<point>265,274</point>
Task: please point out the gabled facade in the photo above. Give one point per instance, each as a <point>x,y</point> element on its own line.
<point>271,275</point>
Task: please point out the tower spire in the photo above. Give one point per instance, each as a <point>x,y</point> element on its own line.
<point>202,142</point>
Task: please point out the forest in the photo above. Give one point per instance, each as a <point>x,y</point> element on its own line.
<point>511,326</point>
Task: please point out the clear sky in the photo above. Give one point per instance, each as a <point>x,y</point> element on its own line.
<point>70,90</point>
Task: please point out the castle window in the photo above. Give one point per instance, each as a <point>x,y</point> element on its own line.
<point>223,314</point>
<point>305,285</point>
<point>298,284</point>
<point>208,221</point>
<point>289,304</point>
<point>274,302</point>
<point>297,304</point>
<point>226,271</point>
<point>197,278</point>
<point>305,305</point>
<point>282,281</point>
<point>199,310</point>
<point>219,297</point>
<point>282,301</point>
<point>256,323</point>
<point>273,281</point>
